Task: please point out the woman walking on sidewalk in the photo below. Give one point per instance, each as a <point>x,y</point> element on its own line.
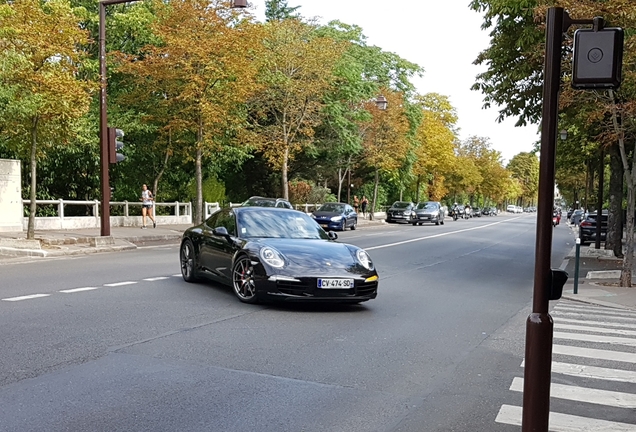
<point>146,206</point>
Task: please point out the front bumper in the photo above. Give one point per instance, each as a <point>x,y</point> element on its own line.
<point>306,289</point>
<point>399,218</point>
<point>328,224</point>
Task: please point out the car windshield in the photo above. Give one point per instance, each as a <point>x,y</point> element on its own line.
<point>400,204</point>
<point>278,224</point>
<point>427,206</point>
<point>332,207</point>
<point>259,202</point>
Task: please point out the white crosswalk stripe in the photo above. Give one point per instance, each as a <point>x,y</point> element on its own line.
<point>593,371</point>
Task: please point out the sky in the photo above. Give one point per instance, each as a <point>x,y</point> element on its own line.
<point>442,36</point>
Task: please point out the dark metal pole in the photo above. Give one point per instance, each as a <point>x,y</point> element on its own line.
<point>103,127</point>
<point>599,202</point>
<point>536,386</point>
<point>576,265</point>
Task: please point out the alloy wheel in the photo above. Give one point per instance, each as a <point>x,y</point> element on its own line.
<point>243,280</point>
<point>188,270</point>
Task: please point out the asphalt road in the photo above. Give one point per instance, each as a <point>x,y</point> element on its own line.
<point>119,342</point>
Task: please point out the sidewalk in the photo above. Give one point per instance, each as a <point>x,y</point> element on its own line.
<point>54,243</point>
<point>599,274</point>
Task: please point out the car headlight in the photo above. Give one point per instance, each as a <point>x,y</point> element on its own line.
<point>272,257</point>
<point>407,212</point>
<point>336,218</point>
<point>364,259</point>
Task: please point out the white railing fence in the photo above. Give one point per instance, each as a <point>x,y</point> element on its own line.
<point>181,213</point>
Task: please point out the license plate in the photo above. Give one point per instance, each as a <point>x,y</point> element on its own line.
<point>324,225</point>
<point>335,283</point>
<point>425,217</point>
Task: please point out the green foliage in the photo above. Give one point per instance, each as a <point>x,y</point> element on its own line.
<point>213,190</point>
<point>514,78</point>
<point>277,10</point>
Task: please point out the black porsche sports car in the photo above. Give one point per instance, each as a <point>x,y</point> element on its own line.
<point>276,253</point>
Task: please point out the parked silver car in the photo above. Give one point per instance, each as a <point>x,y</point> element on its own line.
<point>429,212</point>
<point>400,211</point>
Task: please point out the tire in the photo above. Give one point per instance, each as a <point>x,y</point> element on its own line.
<point>354,224</point>
<point>414,223</point>
<point>188,262</point>
<point>442,222</point>
<point>343,225</point>
<point>437,222</point>
<point>243,283</point>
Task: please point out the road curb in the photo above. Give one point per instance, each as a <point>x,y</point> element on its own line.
<point>587,300</point>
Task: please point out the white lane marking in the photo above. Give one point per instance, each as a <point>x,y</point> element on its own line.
<point>595,313</point>
<point>120,284</point>
<point>594,323</point>
<point>594,308</point>
<point>177,275</point>
<point>592,353</point>
<point>584,394</point>
<point>155,278</point>
<point>74,290</point>
<point>592,372</point>
<point>564,264</point>
<point>439,235</point>
<point>557,313</point>
<point>509,414</point>
<point>594,329</point>
<point>612,340</point>
<point>26,297</point>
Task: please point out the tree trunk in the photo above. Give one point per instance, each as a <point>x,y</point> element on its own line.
<point>375,193</point>
<point>155,184</point>
<point>32,194</point>
<point>199,211</point>
<point>285,182</point>
<point>628,259</point>
<point>340,182</point>
<point>614,240</point>
<point>417,193</point>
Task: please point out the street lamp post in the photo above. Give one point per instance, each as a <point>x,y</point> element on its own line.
<point>382,105</point>
<point>103,116</point>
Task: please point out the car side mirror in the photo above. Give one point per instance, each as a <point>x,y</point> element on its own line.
<point>221,232</point>
<point>332,235</point>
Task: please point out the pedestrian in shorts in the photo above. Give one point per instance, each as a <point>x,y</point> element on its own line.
<point>146,206</point>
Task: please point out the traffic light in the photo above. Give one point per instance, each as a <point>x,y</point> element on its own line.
<point>114,145</point>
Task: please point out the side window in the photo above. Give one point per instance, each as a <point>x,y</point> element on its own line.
<point>212,220</point>
<point>226,219</point>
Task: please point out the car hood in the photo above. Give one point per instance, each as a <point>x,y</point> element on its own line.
<point>426,211</point>
<point>313,253</point>
<point>326,214</point>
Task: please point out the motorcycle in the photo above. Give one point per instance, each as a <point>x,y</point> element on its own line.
<point>556,219</point>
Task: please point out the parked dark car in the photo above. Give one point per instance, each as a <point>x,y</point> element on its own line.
<point>257,201</point>
<point>338,216</point>
<point>400,211</point>
<point>428,212</point>
<point>476,212</point>
<point>587,228</point>
<point>276,254</point>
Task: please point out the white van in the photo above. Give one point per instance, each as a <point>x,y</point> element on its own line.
<point>511,209</point>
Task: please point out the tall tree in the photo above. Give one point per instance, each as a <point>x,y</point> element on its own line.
<point>435,144</point>
<point>296,70</point>
<point>40,54</point>
<point>278,10</point>
<point>524,167</point>
<point>202,74</point>
<point>386,139</point>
